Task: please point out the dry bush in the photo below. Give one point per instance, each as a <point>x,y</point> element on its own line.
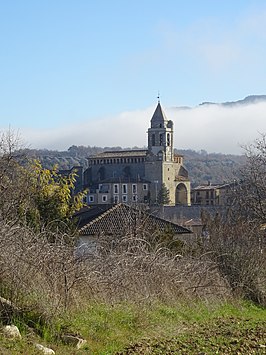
<point>237,241</point>
<point>35,273</point>
<point>156,277</point>
<point>238,249</point>
<point>49,278</point>
<point>136,270</point>
<point>250,193</point>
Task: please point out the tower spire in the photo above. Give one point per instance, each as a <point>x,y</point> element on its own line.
<point>158,97</point>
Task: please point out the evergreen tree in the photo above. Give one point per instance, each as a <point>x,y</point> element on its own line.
<point>163,195</point>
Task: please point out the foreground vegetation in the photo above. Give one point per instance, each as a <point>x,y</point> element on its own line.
<point>139,297</point>
<point>157,328</point>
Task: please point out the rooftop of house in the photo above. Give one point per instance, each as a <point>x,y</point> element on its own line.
<point>193,222</point>
<point>122,219</point>
<point>211,187</point>
<point>120,154</point>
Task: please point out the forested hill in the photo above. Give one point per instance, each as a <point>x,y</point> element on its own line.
<point>206,167</point>
<point>202,166</point>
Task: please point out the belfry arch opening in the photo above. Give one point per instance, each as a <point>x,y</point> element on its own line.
<point>101,173</point>
<point>153,140</point>
<point>168,139</point>
<point>181,195</point>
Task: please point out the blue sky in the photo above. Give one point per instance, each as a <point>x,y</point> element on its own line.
<point>89,62</point>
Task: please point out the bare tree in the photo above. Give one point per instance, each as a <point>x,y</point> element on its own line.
<point>238,249</point>
<point>14,185</point>
<point>236,241</point>
<point>250,192</point>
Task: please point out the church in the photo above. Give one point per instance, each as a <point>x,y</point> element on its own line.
<point>140,176</point>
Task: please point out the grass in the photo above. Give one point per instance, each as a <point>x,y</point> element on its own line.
<point>155,329</point>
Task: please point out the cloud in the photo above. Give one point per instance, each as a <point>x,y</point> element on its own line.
<point>214,128</point>
<point>217,128</point>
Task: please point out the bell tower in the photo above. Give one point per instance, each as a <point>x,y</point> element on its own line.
<point>160,136</point>
<point>163,169</point>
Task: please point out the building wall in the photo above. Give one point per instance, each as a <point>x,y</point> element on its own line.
<point>108,171</point>
<point>205,196</point>
<point>170,171</point>
<point>208,195</point>
<point>153,173</point>
<point>116,192</point>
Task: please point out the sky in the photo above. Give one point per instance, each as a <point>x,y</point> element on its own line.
<point>88,72</point>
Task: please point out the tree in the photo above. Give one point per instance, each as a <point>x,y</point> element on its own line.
<point>13,182</point>
<point>236,241</point>
<point>29,193</point>
<point>50,196</point>
<point>163,195</point>
<point>250,193</point>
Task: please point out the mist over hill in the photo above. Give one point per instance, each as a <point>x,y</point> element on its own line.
<point>248,100</point>
<point>203,167</point>
<point>214,127</point>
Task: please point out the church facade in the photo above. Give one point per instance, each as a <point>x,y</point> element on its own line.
<point>132,176</point>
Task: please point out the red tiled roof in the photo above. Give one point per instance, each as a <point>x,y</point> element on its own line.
<point>122,218</point>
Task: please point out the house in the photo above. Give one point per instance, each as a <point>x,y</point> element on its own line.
<point>131,176</point>
<point>118,221</point>
<point>212,195</point>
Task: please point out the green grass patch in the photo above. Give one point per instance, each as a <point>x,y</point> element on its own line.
<point>157,328</point>
<point>111,328</point>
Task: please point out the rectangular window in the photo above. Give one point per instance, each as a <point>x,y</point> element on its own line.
<point>116,199</point>
<point>124,198</point>
<point>116,188</point>
<point>135,198</point>
<point>134,189</point>
<point>145,187</point>
<point>104,198</point>
<point>124,188</point>
<point>91,198</point>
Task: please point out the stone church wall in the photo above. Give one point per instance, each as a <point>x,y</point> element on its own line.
<point>109,171</point>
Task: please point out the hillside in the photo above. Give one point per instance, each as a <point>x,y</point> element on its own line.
<point>203,167</point>
<point>248,100</point>
<point>216,168</point>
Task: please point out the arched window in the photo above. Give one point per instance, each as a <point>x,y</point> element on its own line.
<point>126,171</point>
<point>101,174</point>
<point>168,139</point>
<point>161,139</point>
<point>181,195</point>
<point>153,140</point>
